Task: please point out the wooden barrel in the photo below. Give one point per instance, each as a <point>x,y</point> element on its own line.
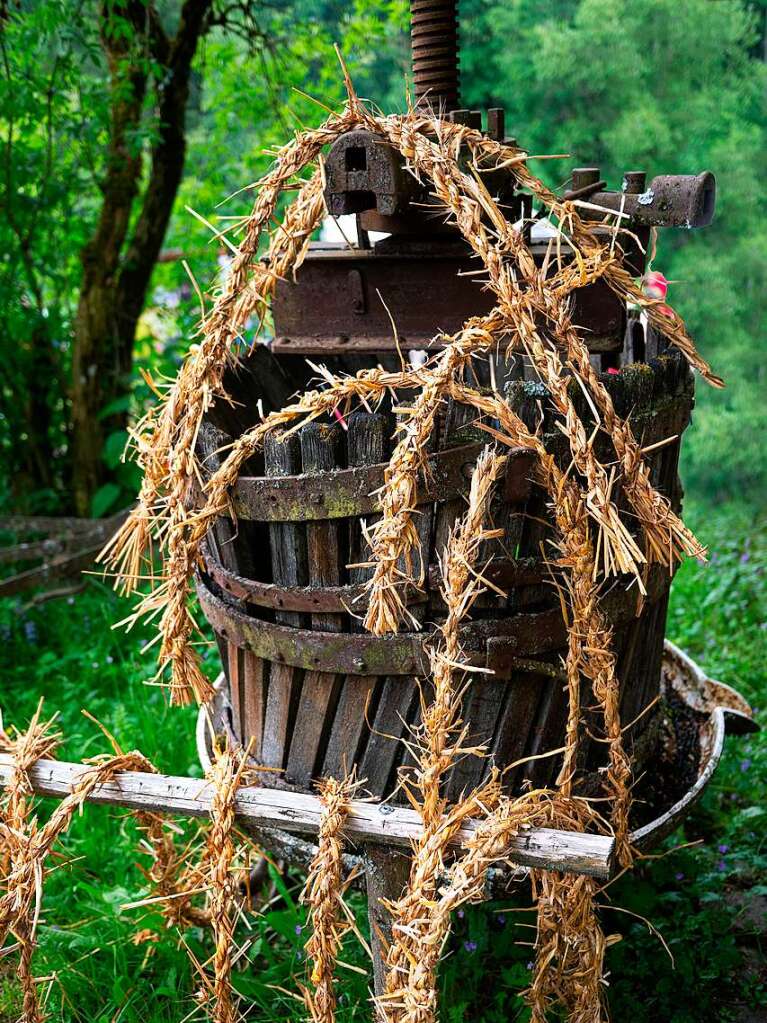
<point>310,692</point>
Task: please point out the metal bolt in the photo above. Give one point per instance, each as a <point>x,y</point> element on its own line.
<point>634,182</point>
<point>583,176</point>
<point>496,123</point>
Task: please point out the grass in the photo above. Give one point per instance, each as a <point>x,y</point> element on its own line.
<point>705,899</point>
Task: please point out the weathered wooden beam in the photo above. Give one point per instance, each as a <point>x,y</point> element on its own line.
<point>543,848</point>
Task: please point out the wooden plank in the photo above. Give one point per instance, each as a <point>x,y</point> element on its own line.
<point>543,848</point>
<point>320,453</point>
<point>234,659</point>
<point>277,716</point>
<point>385,748</point>
<point>287,543</point>
<point>481,710</point>
<point>252,701</point>
<point>515,724</point>
<point>349,724</point>
<point>210,443</point>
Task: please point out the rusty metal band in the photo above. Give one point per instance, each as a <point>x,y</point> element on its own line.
<point>343,493</point>
<point>497,645</point>
<point>351,599</point>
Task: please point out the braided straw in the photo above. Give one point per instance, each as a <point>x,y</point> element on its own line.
<point>533,315</point>
<point>590,646</point>
<point>525,297</point>
<point>225,775</point>
<point>440,739</point>
<point>569,950</point>
<point>323,893</point>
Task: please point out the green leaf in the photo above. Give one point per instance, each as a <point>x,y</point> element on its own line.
<point>114,446</point>
<point>104,499</point>
<point>121,404</point>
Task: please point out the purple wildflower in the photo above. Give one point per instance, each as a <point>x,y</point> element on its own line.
<point>460,914</point>
<point>679,876</point>
<point>501,920</point>
<point>530,966</point>
<point>470,946</point>
<point>745,764</point>
<point>299,928</point>
<point>723,849</point>
<point>745,558</point>
<point>721,866</point>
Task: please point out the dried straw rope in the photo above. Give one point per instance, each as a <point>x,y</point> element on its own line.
<point>439,742</point>
<point>532,315</point>
<point>323,893</point>
<point>225,774</point>
<point>570,950</point>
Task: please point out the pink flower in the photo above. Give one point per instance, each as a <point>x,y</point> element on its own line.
<point>655,285</point>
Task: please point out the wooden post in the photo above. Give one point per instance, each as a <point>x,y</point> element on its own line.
<point>386,873</point>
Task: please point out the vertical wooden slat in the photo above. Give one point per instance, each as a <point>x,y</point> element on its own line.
<point>364,707</point>
<point>396,707</point>
<point>548,732</point>
<point>320,451</point>
<point>481,710</point>
<point>252,701</point>
<point>515,723</point>
<point>288,553</point>
<point>234,665</point>
<point>369,442</point>
<point>210,441</point>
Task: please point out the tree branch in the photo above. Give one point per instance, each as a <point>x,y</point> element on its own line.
<point>167,160</point>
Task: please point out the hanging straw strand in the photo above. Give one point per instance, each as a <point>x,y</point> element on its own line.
<point>323,893</point>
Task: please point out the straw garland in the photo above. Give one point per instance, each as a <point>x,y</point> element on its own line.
<point>225,775</point>
<point>589,637</point>
<point>411,962</point>
<point>570,949</point>
<point>323,893</point>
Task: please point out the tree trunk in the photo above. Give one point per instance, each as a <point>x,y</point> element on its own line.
<point>97,362</point>
<point>117,271</point>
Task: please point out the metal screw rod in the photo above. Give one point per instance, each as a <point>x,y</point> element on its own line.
<point>434,41</point>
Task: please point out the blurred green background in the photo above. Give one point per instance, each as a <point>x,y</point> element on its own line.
<point>87,95</point>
